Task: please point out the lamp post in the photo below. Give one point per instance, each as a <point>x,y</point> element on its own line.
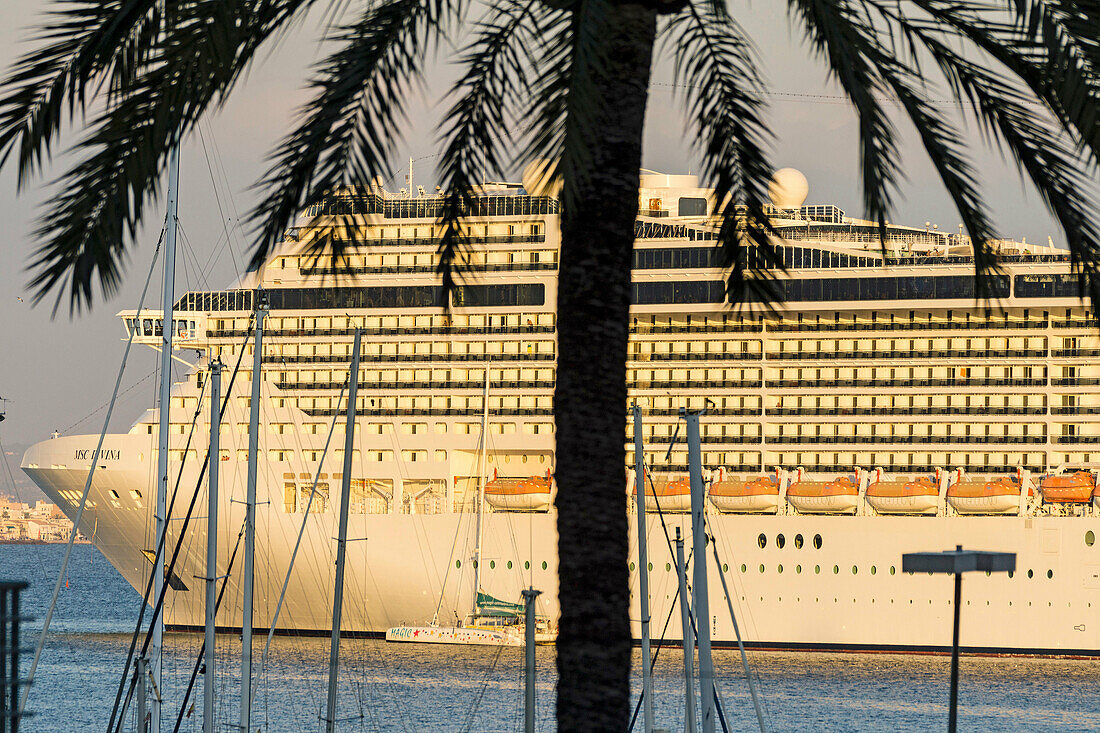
<point>957,562</point>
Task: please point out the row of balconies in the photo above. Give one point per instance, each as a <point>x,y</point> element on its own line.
<point>430,269</point>
<point>432,331</point>
<point>934,325</point>
<point>440,385</point>
<point>933,354</point>
<point>907,439</point>
<point>346,359</point>
<point>908,383</point>
<point>904,411</point>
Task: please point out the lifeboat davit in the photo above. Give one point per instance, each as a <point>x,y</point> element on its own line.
<point>916,496</point>
<point>840,496</point>
<point>673,496</point>
<point>1068,488</point>
<point>759,495</point>
<point>519,494</point>
<point>996,496</point>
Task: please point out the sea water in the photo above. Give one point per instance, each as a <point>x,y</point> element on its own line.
<point>405,687</point>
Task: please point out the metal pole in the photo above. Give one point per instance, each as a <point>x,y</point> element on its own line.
<point>481,478</point>
<point>529,596</point>
<point>142,714</point>
<point>643,572</point>
<point>167,329</point>
<point>952,715</point>
<point>212,543</point>
<point>342,536</point>
<point>250,517</point>
<point>699,587</point>
<point>688,635</point>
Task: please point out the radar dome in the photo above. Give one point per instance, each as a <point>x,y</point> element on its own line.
<point>788,189</point>
<point>539,179</point>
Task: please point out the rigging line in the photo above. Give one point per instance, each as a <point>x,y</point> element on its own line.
<point>218,200</point>
<point>7,467</point>
<point>157,557</point>
<point>829,98</point>
<point>740,643</point>
<point>87,490</point>
<point>467,724</point>
<point>202,647</point>
<point>120,394</point>
<point>301,531</point>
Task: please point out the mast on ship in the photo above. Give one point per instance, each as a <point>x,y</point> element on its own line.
<point>342,536</point>
<point>250,516</point>
<point>212,544</point>
<point>481,489</point>
<point>161,506</point>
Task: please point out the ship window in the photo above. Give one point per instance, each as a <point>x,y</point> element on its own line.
<point>817,570</point>
<point>873,570</point>
<point>798,542</point>
<point>492,564</point>
<point>689,206</point>
<point>458,563</point>
<point>762,541</point>
<point>836,570</point>
<point>761,567</point>
<point>780,568</point>
<point>798,569</point>
<point>668,567</point>
<point>509,564</point>
<point>1031,573</point>
<point>855,570</point>
<point>1050,574</point>
<point>526,564</point>
<point>1090,538</point>
<point>780,541</point>
<point>544,565</point>
<point>894,570</point>
<point>817,542</point>
<point>725,568</point>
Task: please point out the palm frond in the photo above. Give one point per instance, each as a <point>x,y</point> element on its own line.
<point>496,61</point>
<point>87,227</point>
<point>1050,47</point>
<point>558,117</point>
<point>348,130</point>
<point>837,32</point>
<point>717,65</point>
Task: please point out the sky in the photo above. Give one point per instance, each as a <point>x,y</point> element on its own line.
<point>57,372</point>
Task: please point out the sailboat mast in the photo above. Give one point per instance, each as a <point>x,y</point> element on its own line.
<point>342,536</point>
<point>212,544</point>
<point>161,507</point>
<point>481,486</point>
<point>643,571</point>
<point>250,515</point>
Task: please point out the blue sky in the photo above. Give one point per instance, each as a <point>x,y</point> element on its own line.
<point>58,370</point>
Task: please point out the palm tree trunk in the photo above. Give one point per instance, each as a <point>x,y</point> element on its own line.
<point>594,644</point>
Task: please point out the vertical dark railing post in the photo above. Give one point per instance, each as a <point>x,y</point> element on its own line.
<point>952,715</point>
<point>10,681</point>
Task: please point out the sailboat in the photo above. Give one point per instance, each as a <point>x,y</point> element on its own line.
<point>491,621</point>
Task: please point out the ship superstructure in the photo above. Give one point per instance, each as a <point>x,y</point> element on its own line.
<point>882,362</point>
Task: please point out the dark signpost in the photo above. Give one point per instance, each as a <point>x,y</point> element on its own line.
<point>958,561</point>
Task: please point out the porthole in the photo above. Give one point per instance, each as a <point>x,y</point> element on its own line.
<point>492,564</point>
<point>668,567</point>
<point>892,570</point>
<point>1011,574</point>
<point>798,569</point>
<point>475,564</point>
<point>817,570</point>
<point>510,565</point>
<point>725,568</point>
<point>988,573</point>
<point>632,566</point>
<point>780,568</point>
<point>817,542</point>
<point>855,570</point>
<point>744,567</point>
<point>780,540</point>
<point>544,565</point>
<point>1050,574</point>
<point>648,565</point>
<point>798,542</point>
<point>762,540</point>
<point>458,563</point>
<point>873,570</point>
<point>1090,538</point>
<point>836,570</point>
<point>761,568</point>
<point>1031,573</point>
<point>526,564</point>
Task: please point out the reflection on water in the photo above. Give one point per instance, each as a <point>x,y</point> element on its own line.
<point>395,687</point>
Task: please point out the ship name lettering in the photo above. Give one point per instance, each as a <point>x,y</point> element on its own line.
<point>88,454</point>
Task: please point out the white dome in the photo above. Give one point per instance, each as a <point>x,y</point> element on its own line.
<point>788,188</point>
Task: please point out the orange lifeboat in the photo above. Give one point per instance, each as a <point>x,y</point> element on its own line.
<point>840,496</point>
<point>752,496</point>
<point>673,495</point>
<point>519,494</point>
<point>1068,488</point>
<point>996,496</point>
<point>915,496</point>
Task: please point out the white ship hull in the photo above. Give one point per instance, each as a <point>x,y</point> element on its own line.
<point>848,594</point>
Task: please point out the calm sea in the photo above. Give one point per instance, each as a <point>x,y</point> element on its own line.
<point>386,687</point>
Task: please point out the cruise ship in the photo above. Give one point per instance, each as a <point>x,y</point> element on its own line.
<point>882,409</point>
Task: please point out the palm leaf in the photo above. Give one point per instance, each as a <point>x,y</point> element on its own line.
<point>347,132</point>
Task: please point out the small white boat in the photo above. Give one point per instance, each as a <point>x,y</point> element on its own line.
<point>997,496</point>
<point>840,496</point>
<point>917,496</point>
<point>519,494</point>
<point>454,635</point>
<point>756,496</point>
